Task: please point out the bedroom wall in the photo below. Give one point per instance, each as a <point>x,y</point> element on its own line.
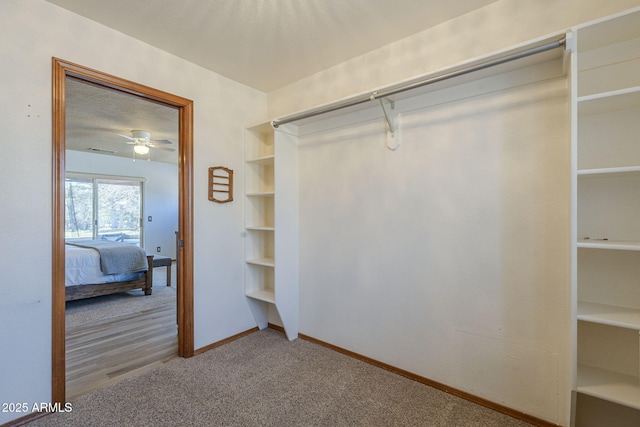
<point>32,31</point>
<point>160,193</point>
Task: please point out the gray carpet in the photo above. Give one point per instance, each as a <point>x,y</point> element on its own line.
<point>264,380</point>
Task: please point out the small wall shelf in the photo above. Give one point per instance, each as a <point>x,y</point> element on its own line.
<point>261,194</point>
<point>617,245</point>
<point>266,262</point>
<point>264,160</point>
<point>253,228</point>
<point>609,385</point>
<point>610,172</point>
<point>612,315</point>
<point>265,295</point>
<point>220,184</point>
<point>607,102</point>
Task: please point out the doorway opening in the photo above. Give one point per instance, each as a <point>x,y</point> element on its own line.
<point>62,71</point>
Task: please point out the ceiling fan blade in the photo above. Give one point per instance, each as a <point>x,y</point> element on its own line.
<point>161,141</point>
<point>163,148</point>
<point>126,136</point>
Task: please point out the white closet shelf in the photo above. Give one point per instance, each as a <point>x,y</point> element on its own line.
<point>264,160</point>
<point>265,262</point>
<point>606,102</point>
<point>263,295</point>
<point>260,228</point>
<point>621,245</point>
<point>261,194</point>
<point>622,317</point>
<point>608,385</point>
<point>609,172</point>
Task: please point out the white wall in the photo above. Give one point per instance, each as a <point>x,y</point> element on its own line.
<point>160,193</point>
<point>448,257</point>
<point>32,31</point>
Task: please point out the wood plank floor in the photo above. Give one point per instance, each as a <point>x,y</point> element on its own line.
<point>104,353</point>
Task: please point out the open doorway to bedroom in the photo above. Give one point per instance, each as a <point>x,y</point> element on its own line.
<point>122,156</point>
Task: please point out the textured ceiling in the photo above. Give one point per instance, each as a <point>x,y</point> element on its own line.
<point>96,116</point>
<point>267,44</point>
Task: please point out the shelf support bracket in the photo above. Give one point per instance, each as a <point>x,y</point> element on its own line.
<point>393,122</point>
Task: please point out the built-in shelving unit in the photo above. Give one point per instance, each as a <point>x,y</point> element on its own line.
<point>606,73</point>
<point>271,226</point>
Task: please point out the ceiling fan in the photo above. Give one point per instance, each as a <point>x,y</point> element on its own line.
<point>141,141</point>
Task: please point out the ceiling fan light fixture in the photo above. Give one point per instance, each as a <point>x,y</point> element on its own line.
<point>141,149</point>
<point>141,134</point>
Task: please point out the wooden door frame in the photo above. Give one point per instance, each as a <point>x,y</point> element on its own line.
<point>61,70</point>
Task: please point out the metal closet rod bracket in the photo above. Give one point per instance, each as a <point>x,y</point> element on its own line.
<point>384,110</point>
<point>393,121</point>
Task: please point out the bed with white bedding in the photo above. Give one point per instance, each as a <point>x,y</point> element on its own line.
<point>85,272</point>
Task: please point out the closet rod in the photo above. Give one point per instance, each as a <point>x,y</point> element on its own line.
<point>431,80</point>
